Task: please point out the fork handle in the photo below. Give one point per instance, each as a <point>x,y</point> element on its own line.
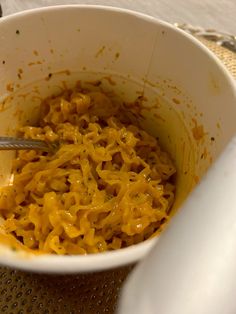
<point>12,143</point>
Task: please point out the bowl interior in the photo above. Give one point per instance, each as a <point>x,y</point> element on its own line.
<point>187,96</point>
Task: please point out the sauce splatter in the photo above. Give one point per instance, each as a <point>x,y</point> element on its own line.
<point>176,101</point>
<point>196,179</point>
<point>214,84</point>
<point>117,55</point>
<point>204,154</point>
<point>109,79</point>
<point>9,87</point>
<point>19,74</point>
<point>157,116</point>
<point>100,51</point>
<point>48,77</point>
<point>197,131</point>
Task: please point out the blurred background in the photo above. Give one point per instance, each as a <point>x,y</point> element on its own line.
<point>214,14</point>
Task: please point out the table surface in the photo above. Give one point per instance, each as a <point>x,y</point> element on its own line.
<point>217,14</point>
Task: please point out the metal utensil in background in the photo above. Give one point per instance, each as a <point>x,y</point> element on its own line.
<point>220,38</point>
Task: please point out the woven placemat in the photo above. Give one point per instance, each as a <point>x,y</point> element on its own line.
<point>226,56</point>
<point>95,293</point>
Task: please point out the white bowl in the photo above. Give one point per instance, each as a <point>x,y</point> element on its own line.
<point>194,118</point>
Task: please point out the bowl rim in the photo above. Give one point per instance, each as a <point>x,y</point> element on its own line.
<point>69,264</point>
<point>112,259</point>
<point>139,15</point>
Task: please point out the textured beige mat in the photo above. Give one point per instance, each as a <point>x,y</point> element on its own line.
<point>43,294</point>
<point>226,56</point>
<point>22,293</point>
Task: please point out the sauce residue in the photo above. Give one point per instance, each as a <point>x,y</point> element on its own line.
<point>197,131</point>
<point>9,87</point>
<point>109,79</point>
<point>176,101</point>
<point>100,51</point>
<point>117,55</point>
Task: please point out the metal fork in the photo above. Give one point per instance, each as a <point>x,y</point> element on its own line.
<point>12,143</point>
